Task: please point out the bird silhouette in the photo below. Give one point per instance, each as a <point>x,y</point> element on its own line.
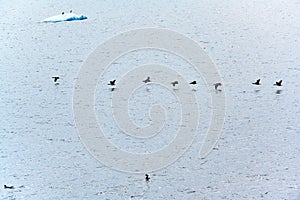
<point>147,177</point>
<point>55,78</point>
<point>63,13</point>
<point>217,85</point>
<point>278,83</point>
<point>147,80</point>
<point>174,83</point>
<point>8,187</point>
<point>257,82</point>
<point>113,82</point>
<point>193,82</point>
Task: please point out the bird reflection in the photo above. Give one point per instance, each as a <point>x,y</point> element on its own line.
<point>278,91</point>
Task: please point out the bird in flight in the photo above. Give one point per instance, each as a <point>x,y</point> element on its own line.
<point>55,78</point>
<point>278,83</point>
<point>113,82</point>
<point>217,85</point>
<point>193,82</point>
<point>147,80</point>
<point>174,83</point>
<point>257,82</point>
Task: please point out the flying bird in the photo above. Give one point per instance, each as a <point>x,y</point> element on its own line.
<point>217,85</point>
<point>257,82</point>
<point>174,83</point>
<point>193,82</point>
<point>278,83</point>
<point>55,78</point>
<point>147,177</point>
<point>113,82</point>
<point>147,80</point>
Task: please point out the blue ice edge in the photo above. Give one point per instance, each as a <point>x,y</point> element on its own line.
<point>66,17</point>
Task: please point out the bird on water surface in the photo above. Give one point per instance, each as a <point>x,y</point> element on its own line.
<point>257,82</point>
<point>193,82</point>
<point>147,177</point>
<point>8,187</point>
<point>278,83</point>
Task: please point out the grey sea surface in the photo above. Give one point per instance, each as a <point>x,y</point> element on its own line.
<point>258,154</point>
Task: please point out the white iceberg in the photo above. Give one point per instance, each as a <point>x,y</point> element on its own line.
<point>65,17</point>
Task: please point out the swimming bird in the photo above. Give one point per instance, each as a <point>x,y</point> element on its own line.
<point>193,82</point>
<point>147,80</point>
<point>70,11</point>
<point>174,83</point>
<point>8,187</point>
<point>55,78</point>
<point>278,83</point>
<point>217,85</point>
<point>63,13</point>
<point>147,177</point>
<point>112,82</point>
<point>257,82</point>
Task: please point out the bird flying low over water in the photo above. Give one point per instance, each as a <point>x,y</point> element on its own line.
<point>257,82</point>
<point>217,85</point>
<point>147,80</point>
<point>174,83</point>
<point>55,78</point>
<point>278,83</point>
<point>113,82</point>
<point>193,82</point>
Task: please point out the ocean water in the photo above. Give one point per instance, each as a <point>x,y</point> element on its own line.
<point>257,156</point>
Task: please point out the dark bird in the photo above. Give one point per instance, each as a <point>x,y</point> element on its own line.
<point>147,177</point>
<point>70,11</point>
<point>63,13</point>
<point>8,187</point>
<point>174,83</point>
<point>257,82</point>
<point>217,85</point>
<point>112,82</point>
<point>147,80</point>
<point>55,78</point>
<point>193,82</point>
<point>278,83</point>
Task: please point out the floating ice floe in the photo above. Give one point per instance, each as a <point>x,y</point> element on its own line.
<point>64,17</point>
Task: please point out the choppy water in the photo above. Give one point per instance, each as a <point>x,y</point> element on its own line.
<point>257,156</point>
